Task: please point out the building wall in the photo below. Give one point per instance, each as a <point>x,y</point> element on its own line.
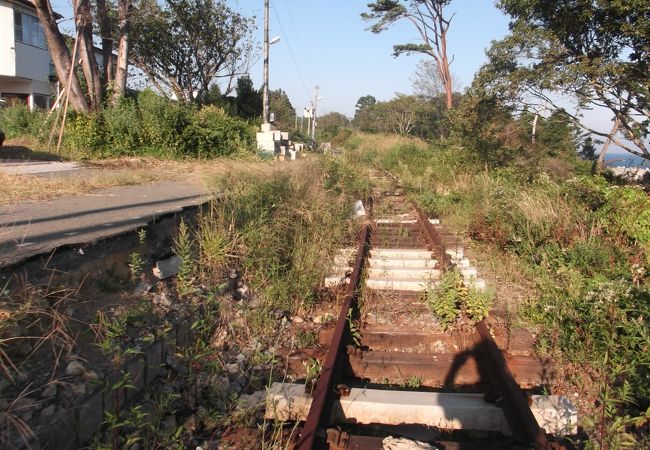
<point>7,41</point>
<point>24,68</point>
<point>32,62</point>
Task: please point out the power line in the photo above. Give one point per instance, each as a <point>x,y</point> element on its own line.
<point>293,58</point>
<point>300,47</point>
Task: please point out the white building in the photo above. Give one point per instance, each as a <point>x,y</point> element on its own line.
<point>25,64</point>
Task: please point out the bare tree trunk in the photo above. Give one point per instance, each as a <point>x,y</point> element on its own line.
<point>59,53</point>
<point>83,20</point>
<point>603,152</point>
<point>107,41</point>
<point>445,72</point>
<point>436,9</point>
<point>121,72</point>
<point>533,136</point>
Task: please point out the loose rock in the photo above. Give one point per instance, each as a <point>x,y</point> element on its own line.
<point>78,389</point>
<point>167,267</point>
<point>49,411</point>
<point>49,391</point>
<point>90,375</point>
<point>142,288</point>
<point>242,292</point>
<point>252,400</point>
<point>75,368</point>
<point>232,368</point>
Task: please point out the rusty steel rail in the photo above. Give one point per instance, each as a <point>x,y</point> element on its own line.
<point>514,403</point>
<point>324,393</point>
<point>435,241</point>
<point>520,418</point>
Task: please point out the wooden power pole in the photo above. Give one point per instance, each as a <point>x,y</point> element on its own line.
<point>265,93</point>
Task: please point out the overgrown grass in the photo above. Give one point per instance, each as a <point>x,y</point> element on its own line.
<point>286,224</point>
<point>584,245</point>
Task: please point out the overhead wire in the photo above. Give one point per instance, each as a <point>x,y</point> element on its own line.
<point>300,47</point>
<point>293,58</point>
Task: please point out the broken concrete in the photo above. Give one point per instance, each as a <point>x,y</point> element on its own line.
<point>167,267</point>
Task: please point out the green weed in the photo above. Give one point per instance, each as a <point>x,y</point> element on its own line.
<point>450,299</point>
<point>136,266</point>
<point>355,332</point>
<point>306,339</point>
<point>413,382</point>
<point>184,249</point>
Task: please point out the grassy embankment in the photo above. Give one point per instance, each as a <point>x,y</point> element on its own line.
<point>568,256</point>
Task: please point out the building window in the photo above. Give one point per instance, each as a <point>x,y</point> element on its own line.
<point>28,29</point>
<point>40,101</point>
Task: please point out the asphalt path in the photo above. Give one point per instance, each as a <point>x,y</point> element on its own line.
<point>20,167</point>
<point>36,228</point>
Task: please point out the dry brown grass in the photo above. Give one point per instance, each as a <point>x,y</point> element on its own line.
<point>385,142</point>
<point>120,172</point>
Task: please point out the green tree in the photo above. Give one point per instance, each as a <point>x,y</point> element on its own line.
<point>485,125</point>
<point>280,106</point>
<point>364,113</point>
<point>558,135</point>
<point>398,115</point>
<point>588,150</point>
<point>185,46</point>
<point>330,123</point>
<point>432,24</point>
<point>249,101</point>
<point>595,51</point>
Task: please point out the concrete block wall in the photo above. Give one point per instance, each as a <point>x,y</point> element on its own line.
<point>74,427</point>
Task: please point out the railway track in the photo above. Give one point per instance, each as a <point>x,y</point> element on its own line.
<point>391,375</point>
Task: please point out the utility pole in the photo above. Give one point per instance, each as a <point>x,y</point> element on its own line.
<point>265,94</point>
<point>313,123</point>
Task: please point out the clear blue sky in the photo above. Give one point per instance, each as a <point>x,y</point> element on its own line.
<point>331,47</point>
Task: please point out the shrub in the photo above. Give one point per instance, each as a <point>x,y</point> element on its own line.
<point>123,129</point>
<point>85,134</point>
<point>163,121</point>
<point>631,213</point>
<point>18,121</point>
<point>214,133</point>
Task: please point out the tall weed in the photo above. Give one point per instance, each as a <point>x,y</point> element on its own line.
<point>287,223</point>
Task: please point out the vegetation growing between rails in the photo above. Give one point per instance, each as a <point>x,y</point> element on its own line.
<point>450,300</point>
<point>582,241</point>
